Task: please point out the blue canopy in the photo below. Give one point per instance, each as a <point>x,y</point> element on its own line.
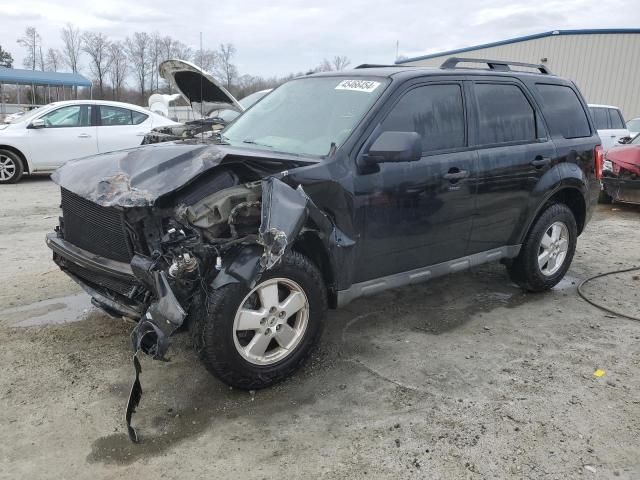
<point>35,77</point>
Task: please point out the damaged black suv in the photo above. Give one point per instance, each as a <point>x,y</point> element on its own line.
<point>333,187</point>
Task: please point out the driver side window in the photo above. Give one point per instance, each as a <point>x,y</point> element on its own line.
<point>69,116</point>
<point>436,112</point>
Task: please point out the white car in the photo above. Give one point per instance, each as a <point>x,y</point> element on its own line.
<point>634,127</point>
<point>47,137</point>
<point>610,124</point>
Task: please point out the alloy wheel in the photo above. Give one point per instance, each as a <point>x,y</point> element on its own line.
<point>8,168</point>
<point>553,248</point>
<point>271,321</point>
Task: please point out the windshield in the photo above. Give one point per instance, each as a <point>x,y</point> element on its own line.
<point>634,125</point>
<point>636,140</point>
<point>305,116</point>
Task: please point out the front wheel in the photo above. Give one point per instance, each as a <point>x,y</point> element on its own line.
<point>11,167</point>
<point>547,251</point>
<point>253,338</point>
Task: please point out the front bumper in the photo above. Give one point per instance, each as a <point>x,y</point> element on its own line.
<point>106,281</point>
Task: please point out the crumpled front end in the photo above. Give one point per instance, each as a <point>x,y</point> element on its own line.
<point>148,264</point>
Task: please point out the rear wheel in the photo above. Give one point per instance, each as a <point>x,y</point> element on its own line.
<point>11,168</point>
<point>547,251</point>
<point>252,338</point>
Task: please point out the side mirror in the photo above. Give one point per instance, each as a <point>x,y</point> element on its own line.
<point>394,147</point>
<point>624,140</point>
<point>37,123</point>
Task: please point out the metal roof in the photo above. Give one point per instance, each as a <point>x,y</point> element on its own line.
<point>594,31</point>
<point>35,77</point>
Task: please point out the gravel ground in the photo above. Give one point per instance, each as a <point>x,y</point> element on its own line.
<point>463,377</point>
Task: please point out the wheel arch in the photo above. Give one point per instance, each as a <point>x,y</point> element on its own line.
<point>312,246</point>
<point>25,163</point>
<point>570,196</point>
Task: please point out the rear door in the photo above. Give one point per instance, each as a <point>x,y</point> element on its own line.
<point>514,153</point>
<point>68,133</point>
<point>120,128</point>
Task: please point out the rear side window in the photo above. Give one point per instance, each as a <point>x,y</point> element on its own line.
<point>138,117</point>
<point>615,119</point>
<point>504,114</point>
<point>563,111</point>
<point>600,118</point>
<point>110,116</point>
<point>436,112</point>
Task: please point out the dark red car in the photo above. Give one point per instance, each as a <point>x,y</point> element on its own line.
<point>621,175</point>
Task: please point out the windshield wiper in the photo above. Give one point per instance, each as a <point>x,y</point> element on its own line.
<point>253,142</point>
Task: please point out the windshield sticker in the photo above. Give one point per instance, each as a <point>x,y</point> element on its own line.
<point>367,86</point>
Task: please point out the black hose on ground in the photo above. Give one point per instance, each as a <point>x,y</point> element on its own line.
<point>599,305</point>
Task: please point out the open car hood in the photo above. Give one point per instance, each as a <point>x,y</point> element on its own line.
<point>198,87</point>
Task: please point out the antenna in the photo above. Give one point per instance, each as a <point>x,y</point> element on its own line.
<point>201,87</point>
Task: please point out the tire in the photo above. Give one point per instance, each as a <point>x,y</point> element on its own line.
<point>604,197</point>
<point>225,352</point>
<point>525,270</point>
<point>11,167</point>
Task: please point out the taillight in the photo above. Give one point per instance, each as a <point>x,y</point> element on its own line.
<point>598,159</point>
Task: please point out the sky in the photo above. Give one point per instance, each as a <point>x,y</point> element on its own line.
<point>277,37</point>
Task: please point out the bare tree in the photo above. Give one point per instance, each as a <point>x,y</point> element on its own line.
<point>224,68</point>
<point>32,41</point>
<point>72,41</point>
<point>118,68</point>
<point>340,62</point>
<point>155,54</point>
<point>175,49</point>
<point>96,45</point>
<point>138,48</point>
<point>206,59</point>
<point>54,60</point>
<point>324,66</point>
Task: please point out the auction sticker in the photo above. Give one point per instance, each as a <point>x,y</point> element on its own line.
<point>367,86</point>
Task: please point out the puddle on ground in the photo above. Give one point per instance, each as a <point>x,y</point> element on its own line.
<point>567,282</point>
<point>54,311</point>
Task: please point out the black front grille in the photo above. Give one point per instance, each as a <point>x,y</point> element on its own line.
<point>96,279</point>
<point>94,228</point>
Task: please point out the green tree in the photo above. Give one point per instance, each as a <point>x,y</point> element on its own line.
<point>6,60</point>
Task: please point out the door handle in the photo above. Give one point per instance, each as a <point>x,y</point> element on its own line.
<point>540,161</point>
<point>456,174</point>
<point>84,135</point>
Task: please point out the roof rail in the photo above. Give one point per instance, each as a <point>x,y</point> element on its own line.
<point>374,65</point>
<point>500,65</point>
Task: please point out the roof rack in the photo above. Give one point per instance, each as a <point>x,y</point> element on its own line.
<point>374,65</point>
<point>500,65</point>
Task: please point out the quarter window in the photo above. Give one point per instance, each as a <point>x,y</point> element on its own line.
<point>436,112</point>
<point>504,114</point>
<point>563,111</point>
<point>70,116</point>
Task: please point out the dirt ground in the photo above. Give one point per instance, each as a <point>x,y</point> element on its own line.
<point>464,377</point>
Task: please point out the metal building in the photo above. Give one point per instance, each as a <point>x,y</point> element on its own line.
<point>605,64</point>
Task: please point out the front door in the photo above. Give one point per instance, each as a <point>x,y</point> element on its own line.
<point>67,134</point>
<point>419,213</point>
